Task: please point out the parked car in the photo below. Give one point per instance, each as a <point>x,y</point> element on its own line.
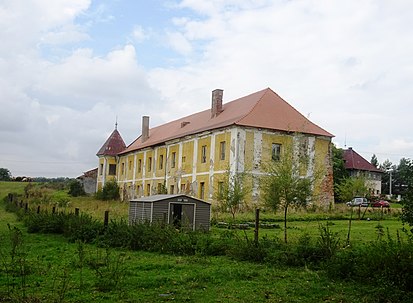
<point>380,203</point>
<point>358,201</point>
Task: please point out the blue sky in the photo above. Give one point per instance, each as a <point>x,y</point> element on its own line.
<point>68,68</point>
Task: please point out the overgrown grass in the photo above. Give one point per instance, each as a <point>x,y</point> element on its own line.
<point>379,257</point>
<point>78,272</point>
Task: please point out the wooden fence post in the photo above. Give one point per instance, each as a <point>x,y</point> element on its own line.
<point>76,211</point>
<point>38,209</point>
<point>257,225</point>
<point>106,221</point>
<point>53,209</point>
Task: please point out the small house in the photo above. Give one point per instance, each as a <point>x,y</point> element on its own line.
<point>179,210</point>
<point>89,180</point>
<point>356,165</point>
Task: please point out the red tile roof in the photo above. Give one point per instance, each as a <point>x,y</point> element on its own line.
<point>113,145</point>
<point>263,109</point>
<point>354,161</point>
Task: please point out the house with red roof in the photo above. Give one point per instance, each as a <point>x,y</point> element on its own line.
<point>192,154</point>
<point>356,165</point>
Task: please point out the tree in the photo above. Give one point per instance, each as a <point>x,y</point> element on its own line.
<point>388,168</point>
<point>402,176</point>
<point>231,192</point>
<point>405,171</point>
<point>348,189</point>
<point>374,161</point>
<point>339,170</point>
<point>5,174</point>
<point>352,187</point>
<point>76,188</point>
<point>283,187</point>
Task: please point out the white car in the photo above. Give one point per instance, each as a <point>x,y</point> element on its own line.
<point>358,201</point>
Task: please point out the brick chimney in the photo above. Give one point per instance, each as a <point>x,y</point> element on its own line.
<point>145,128</point>
<point>216,107</point>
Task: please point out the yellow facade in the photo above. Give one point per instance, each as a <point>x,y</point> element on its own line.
<point>196,164</point>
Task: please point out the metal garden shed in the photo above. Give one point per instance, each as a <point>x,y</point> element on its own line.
<point>180,210</point>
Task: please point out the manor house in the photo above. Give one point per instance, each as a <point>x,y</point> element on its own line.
<point>192,154</point>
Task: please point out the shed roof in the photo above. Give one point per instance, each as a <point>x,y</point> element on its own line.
<point>262,109</point>
<point>156,198</point>
<point>354,161</point>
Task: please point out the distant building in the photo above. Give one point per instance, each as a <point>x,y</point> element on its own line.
<point>191,155</point>
<point>89,180</point>
<point>356,165</point>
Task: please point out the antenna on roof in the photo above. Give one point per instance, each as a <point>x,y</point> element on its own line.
<point>116,122</point>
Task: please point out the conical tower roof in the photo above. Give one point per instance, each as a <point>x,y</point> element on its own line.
<point>113,145</point>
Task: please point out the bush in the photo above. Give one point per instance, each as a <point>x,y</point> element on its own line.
<point>110,191</point>
<point>82,227</point>
<point>386,263</point>
<point>76,188</point>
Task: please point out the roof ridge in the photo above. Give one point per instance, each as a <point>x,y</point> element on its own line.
<point>256,103</point>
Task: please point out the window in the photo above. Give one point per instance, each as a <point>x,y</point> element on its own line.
<point>173,160</point>
<point>130,165</point>
<point>112,169</point>
<point>183,159</point>
<point>139,165</point>
<point>148,189</point>
<point>149,163</point>
<point>172,189</point>
<point>203,153</point>
<point>160,161</point>
<point>101,169</point>
<point>123,168</point>
<point>222,150</point>
<point>276,152</point>
<point>202,190</point>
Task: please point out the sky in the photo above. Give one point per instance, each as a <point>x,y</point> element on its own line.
<point>70,69</point>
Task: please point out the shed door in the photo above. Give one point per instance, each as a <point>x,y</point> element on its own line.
<point>182,215</point>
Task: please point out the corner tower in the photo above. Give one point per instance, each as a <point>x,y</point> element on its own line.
<point>108,159</point>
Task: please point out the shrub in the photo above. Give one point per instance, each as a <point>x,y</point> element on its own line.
<point>387,263</point>
<point>82,227</point>
<point>76,189</point>
<point>110,191</point>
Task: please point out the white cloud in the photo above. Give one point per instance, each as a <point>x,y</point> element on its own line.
<point>57,113</point>
<point>346,63</point>
<point>179,43</point>
<point>139,34</point>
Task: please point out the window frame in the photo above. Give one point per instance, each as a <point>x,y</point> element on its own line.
<point>173,159</point>
<point>222,150</point>
<point>276,151</point>
<point>160,165</point>
<point>112,170</point>
<point>203,153</point>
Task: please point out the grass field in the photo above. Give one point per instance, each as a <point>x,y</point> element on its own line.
<point>58,271</point>
<point>46,268</point>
